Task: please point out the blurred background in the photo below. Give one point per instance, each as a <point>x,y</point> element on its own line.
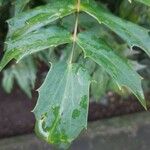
<point>116,119</point>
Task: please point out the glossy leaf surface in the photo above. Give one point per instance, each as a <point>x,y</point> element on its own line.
<point>133,34</point>
<point>38,17</point>
<point>34,42</point>
<point>62,108</point>
<point>115,66</point>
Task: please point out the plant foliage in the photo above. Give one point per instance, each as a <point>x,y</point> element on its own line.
<point>62,107</point>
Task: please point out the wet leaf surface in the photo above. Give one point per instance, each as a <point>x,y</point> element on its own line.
<point>115,66</point>
<point>62,108</point>
<point>133,34</point>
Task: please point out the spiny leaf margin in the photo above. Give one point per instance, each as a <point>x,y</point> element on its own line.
<point>116,67</point>
<point>128,31</point>
<point>62,113</point>
<point>36,41</point>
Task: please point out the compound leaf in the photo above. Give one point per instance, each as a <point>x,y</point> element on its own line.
<point>133,34</point>
<point>62,108</point>
<point>115,66</point>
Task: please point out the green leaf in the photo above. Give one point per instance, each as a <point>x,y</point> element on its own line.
<point>1,2</point>
<point>100,82</point>
<point>115,66</point>
<point>34,19</point>
<point>20,5</point>
<point>133,34</point>
<point>8,80</point>
<point>24,73</point>
<point>62,108</point>
<point>146,2</point>
<point>34,42</point>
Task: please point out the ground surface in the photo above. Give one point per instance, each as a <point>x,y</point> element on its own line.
<point>16,117</point>
<point>130,132</point>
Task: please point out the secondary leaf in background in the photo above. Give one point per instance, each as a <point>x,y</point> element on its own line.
<point>24,73</point>
<point>1,2</point>
<point>133,34</point>
<point>38,17</point>
<point>100,82</point>
<point>115,66</point>
<point>146,2</point>
<point>20,5</point>
<point>133,12</point>
<point>33,42</point>
<point>45,56</point>
<point>8,80</point>
<point>62,108</point>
